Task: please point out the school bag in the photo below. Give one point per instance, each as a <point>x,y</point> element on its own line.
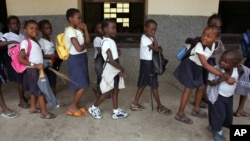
<point>14,52</point>
<point>61,48</point>
<point>186,49</point>
<point>245,43</point>
<point>159,63</point>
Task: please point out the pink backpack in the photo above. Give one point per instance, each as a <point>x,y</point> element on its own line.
<point>14,54</point>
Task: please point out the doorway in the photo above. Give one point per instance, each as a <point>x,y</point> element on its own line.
<point>3,16</point>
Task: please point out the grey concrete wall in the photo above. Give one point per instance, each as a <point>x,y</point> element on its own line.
<point>171,33</point>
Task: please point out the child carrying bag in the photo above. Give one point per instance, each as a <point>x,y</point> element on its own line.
<point>14,52</point>
<point>159,63</point>
<point>186,49</point>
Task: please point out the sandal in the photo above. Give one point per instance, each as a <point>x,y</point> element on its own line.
<point>48,116</point>
<point>84,110</point>
<point>164,110</point>
<point>10,115</point>
<point>24,105</point>
<point>239,114</point>
<point>35,111</point>
<point>183,118</point>
<point>199,114</point>
<point>77,113</point>
<point>203,104</point>
<point>137,107</point>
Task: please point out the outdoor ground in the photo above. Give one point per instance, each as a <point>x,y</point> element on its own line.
<point>144,125</point>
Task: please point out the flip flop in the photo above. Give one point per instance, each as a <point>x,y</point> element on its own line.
<point>83,110</point>
<point>184,119</point>
<point>48,116</point>
<point>199,114</point>
<point>10,115</point>
<point>243,114</point>
<point>77,113</point>
<point>24,105</point>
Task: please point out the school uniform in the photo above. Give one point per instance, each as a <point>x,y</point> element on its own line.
<point>48,48</point>
<point>12,74</point>
<point>31,74</point>
<point>97,43</point>
<point>190,72</point>
<point>146,75</point>
<point>3,77</point>
<point>77,62</point>
<point>221,109</point>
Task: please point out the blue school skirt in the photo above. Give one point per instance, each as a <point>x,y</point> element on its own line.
<point>78,71</point>
<point>146,76</point>
<point>189,74</point>
<point>30,78</point>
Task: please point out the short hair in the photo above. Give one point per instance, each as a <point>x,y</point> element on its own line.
<point>71,12</point>
<point>42,23</point>
<point>235,53</point>
<point>216,28</point>
<point>150,21</point>
<point>12,17</point>
<point>106,22</point>
<point>212,17</point>
<point>26,23</point>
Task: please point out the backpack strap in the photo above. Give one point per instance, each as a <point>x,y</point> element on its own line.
<point>29,47</point>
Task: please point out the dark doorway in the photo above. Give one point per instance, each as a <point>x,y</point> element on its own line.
<point>235,16</point>
<point>3,15</point>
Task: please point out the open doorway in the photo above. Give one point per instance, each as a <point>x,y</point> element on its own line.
<point>3,16</point>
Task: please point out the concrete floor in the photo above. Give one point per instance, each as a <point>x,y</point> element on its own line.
<point>146,125</point>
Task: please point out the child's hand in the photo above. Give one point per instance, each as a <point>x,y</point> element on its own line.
<point>231,81</point>
<point>83,26</point>
<point>38,66</point>
<point>121,74</point>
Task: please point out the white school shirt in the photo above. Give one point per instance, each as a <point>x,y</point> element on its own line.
<point>198,49</point>
<point>145,52</point>
<point>10,36</point>
<point>36,55</point>
<point>48,47</point>
<point>1,35</point>
<point>108,43</point>
<point>224,88</point>
<point>97,43</point>
<point>71,32</point>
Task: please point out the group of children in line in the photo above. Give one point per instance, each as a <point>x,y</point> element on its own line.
<point>198,71</point>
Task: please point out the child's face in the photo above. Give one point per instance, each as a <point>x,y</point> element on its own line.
<point>227,62</point>
<point>31,30</point>
<point>47,29</point>
<point>215,22</point>
<point>99,29</point>
<point>76,19</point>
<point>208,37</point>
<point>14,25</point>
<point>150,29</point>
<point>111,29</point>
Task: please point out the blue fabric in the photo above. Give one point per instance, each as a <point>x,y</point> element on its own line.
<point>78,71</point>
<point>31,77</point>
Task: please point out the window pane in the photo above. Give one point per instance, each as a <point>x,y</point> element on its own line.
<point>106,5</point>
<point>113,10</point>
<point>119,5</point>
<point>126,20</point>
<point>126,5</point>
<point>107,10</point>
<point>119,10</point>
<point>125,24</point>
<point>113,15</point>
<point>119,20</point>
<point>106,16</point>
<point>126,10</point>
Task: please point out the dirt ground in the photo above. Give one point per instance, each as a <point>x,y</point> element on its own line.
<point>146,125</point>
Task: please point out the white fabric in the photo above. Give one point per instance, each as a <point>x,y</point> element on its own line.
<point>36,55</point>
<point>71,33</point>
<point>198,49</point>
<point>241,90</point>
<point>145,52</point>
<point>1,35</point>
<point>97,43</point>
<point>107,82</point>
<point>48,47</point>
<point>10,36</point>
<point>108,43</point>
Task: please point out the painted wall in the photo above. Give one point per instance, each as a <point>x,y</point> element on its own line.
<point>40,7</point>
<point>182,7</point>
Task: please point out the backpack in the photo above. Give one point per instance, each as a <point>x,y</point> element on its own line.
<point>14,52</point>
<point>186,49</point>
<point>61,48</point>
<point>245,43</point>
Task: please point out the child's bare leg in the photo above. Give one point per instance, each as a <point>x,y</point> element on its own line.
<point>198,96</point>
<point>157,97</point>
<point>138,95</point>
<point>42,103</point>
<point>100,99</point>
<point>22,100</point>
<point>77,97</point>
<point>115,98</point>
<point>184,100</point>
<point>4,107</point>
<point>240,110</point>
<point>33,102</point>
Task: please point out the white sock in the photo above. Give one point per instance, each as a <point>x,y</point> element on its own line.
<point>115,110</point>
<point>220,132</point>
<point>94,107</point>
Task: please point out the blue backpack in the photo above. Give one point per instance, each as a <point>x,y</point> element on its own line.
<point>245,43</point>
<point>186,49</point>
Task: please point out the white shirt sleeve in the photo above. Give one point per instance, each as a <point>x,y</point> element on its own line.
<point>105,46</point>
<point>69,32</point>
<point>24,45</point>
<point>199,48</point>
<point>97,42</point>
<point>42,44</point>
<point>146,41</point>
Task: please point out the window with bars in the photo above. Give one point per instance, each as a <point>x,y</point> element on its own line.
<point>118,11</point>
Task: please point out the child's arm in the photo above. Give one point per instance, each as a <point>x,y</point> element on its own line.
<point>217,81</point>
<point>3,44</point>
<point>207,66</point>
<point>86,37</point>
<point>154,46</point>
<point>114,63</point>
<point>22,59</point>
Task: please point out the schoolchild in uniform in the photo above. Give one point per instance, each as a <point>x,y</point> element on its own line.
<point>110,53</point>
<point>146,77</point>
<point>190,73</point>
<point>10,39</point>
<point>77,39</point>
<point>35,64</point>
<point>220,93</point>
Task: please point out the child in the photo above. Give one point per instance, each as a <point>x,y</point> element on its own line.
<point>48,49</point>
<point>190,72</point>
<point>6,111</point>
<point>220,93</point>
<point>109,53</point>
<point>77,39</point>
<point>34,63</point>
<point>97,43</point>
<point>147,46</point>
<point>10,39</point>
